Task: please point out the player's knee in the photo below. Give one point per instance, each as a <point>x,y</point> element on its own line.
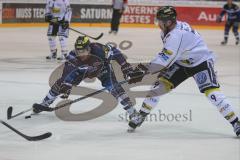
<point>51,38</point>
<point>63,42</point>
<point>62,38</point>
<point>167,84</point>
<point>160,87</point>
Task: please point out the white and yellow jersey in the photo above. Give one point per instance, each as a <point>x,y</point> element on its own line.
<point>60,9</point>
<point>184,46</point>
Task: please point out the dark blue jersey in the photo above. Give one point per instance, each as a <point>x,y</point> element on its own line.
<point>97,63</point>
<point>232,11</point>
<point>105,53</point>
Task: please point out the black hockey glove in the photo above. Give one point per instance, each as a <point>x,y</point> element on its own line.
<point>138,74</point>
<point>126,70</point>
<point>48,17</point>
<point>65,24</point>
<point>142,68</point>
<point>65,90</point>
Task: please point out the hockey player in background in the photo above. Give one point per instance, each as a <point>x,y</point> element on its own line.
<point>233,19</point>
<point>89,60</point>
<point>184,55</point>
<point>58,14</point>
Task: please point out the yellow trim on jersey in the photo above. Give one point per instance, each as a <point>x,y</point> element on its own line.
<point>56,10</point>
<point>210,90</point>
<point>168,52</point>
<point>168,85</point>
<point>106,50</point>
<point>229,116</point>
<point>147,107</point>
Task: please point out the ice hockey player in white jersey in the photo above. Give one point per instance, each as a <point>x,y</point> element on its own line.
<point>184,55</point>
<point>58,14</point>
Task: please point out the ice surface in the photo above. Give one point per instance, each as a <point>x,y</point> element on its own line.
<point>24,75</point>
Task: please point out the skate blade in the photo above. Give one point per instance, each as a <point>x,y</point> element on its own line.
<point>131,130</point>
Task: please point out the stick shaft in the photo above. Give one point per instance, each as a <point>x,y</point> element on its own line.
<point>96,38</point>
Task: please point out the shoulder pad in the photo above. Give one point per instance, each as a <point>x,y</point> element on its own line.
<point>94,44</point>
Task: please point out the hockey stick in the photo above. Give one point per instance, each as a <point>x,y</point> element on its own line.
<point>95,38</point>
<point>9,110</point>
<point>81,98</point>
<point>87,96</point>
<point>29,138</point>
<point>48,109</point>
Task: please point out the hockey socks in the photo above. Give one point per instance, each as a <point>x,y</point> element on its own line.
<point>218,99</point>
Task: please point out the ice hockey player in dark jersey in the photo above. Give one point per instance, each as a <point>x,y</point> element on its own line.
<point>233,19</point>
<point>89,60</point>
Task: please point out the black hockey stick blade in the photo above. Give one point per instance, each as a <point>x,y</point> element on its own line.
<point>95,38</point>
<point>40,137</point>
<point>29,138</point>
<point>9,112</point>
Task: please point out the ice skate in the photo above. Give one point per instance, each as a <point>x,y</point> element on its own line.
<point>52,56</point>
<point>236,128</point>
<point>224,42</point>
<point>112,32</point>
<point>115,32</point>
<point>37,108</point>
<point>237,42</point>
<point>62,58</point>
<point>136,119</point>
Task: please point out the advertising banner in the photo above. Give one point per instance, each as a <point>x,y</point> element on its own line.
<point>193,15</point>
<point>0,12</point>
<point>139,14</point>
<point>23,12</point>
<point>91,13</point>
<point>82,13</point>
<point>199,16</point>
